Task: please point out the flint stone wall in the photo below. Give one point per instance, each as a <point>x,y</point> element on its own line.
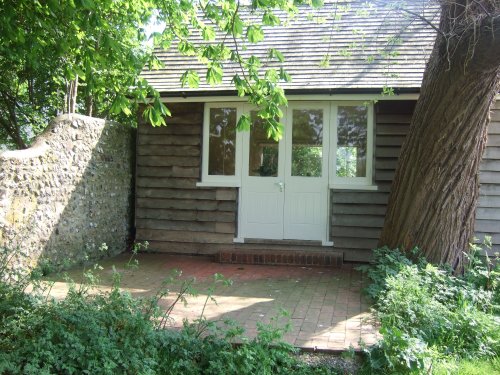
<point>68,194</point>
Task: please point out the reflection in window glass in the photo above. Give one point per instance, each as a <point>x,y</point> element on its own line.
<point>352,127</point>
<point>307,142</point>
<point>263,157</point>
<point>222,142</point>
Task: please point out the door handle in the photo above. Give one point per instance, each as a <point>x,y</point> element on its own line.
<point>281,185</point>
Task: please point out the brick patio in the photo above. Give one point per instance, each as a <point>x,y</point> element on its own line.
<point>326,307</point>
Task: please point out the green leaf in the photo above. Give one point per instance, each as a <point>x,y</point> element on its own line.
<point>190,78</point>
<point>244,123</point>
<point>208,33</point>
<point>214,74</point>
<point>275,54</point>
<point>255,34</point>
<point>269,19</point>
<point>317,3</point>
<point>237,26</point>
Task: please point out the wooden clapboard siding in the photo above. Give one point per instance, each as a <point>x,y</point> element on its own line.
<point>358,216</point>
<point>172,213</point>
<point>488,209</point>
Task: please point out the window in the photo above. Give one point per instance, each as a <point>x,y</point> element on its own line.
<point>353,151</point>
<point>263,151</point>
<point>221,144</point>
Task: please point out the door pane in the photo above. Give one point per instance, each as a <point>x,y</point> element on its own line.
<point>307,142</point>
<point>352,127</point>
<point>263,157</point>
<point>222,141</point>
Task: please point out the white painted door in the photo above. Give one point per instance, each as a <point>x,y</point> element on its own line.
<point>285,184</point>
<point>306,172</point>
<point>262,190</point>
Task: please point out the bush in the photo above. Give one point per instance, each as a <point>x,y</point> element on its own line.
<point>429,315</point>
<point>114,333</point>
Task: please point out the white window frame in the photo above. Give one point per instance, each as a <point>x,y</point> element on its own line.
<point>352,183</point>
<point>347,183</point>
<point>220,180</point>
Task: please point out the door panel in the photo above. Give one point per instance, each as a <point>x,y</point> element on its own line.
<point>305,206</point>
<point>284,184</point>
<point>262,193</point>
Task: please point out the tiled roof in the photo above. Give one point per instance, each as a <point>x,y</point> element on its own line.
<point>359,45</point>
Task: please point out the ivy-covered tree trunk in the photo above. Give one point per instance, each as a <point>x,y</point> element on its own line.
<point>435,190</point>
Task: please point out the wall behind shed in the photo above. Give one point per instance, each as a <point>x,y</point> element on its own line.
<point>172,213</point>
<point>358,216</point>
<point>61,199</point>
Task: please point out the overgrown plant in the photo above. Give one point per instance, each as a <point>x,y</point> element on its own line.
<point>428,315</point>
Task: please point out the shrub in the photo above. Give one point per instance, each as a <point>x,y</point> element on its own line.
<point>428,315</point>
<point>114,333</point>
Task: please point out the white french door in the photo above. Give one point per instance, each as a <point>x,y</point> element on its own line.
<point>284,191</point>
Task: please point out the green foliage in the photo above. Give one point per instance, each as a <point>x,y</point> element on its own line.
<point>428,315</point>
<point>114,333</point>
<point>100,46</point>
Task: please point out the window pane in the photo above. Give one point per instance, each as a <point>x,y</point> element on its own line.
<point>307,142</point>
<point>352,127</point>
<point>263,157</point>
<point>222,141</point>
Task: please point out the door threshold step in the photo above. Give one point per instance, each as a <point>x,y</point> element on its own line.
<point>281,257</point>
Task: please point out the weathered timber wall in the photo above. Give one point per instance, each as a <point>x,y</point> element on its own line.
<point>61,199</point>
<point>488,209</point>
<point>358,216</point>
<point>172,213</point>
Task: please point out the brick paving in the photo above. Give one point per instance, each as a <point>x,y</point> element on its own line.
<point>325,306</point>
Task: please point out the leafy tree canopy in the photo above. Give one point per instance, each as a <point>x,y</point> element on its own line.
<point>53,52</point>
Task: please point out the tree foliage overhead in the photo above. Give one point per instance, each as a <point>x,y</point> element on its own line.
<point>86,56</point>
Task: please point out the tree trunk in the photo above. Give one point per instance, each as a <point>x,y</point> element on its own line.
<point>435,189</point>
<point>70,97</point>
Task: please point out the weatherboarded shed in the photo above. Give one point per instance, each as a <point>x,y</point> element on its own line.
<point>203,187</point>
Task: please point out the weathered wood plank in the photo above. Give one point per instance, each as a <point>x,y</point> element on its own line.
<point>490,165</point>
<point>161,150</point>
<point>226,194</point>
<point>493,140</point>
<point>177,124</point>
<point>358,221</point>
<point>358,209</point>
<point>193,172</point>
<point>489,189</point>
<point>183,236</point>
<point>389,140</point>
<point>488,213</point>
<point>387,152</point>
<point>386,163</point>
<point>487,226</point>
<point>360,197</point>
<point>490,201</point>
<point>393,119</point>
<point>225,228</point>
<point>166,161</point>
<point>356,232</point>
<point>381,175</point>
<point>494,128</point>
<point>167,140</point>
<point>187,204</point>
<point>177,183</point>
<point>175,193</point>
<point>185,215</point>
<point>191,226</point>
<point>495,237</point>
<point>492,153</point>
<point>392,129</point>
<point>487,177</point>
